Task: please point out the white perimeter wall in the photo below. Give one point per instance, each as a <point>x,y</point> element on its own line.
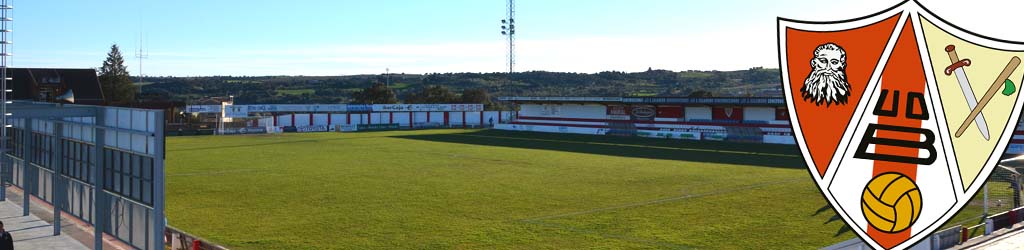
<point>402,118</point>
<point>588,111</point>
<point>597,111</point>
<point>338,118</point>
<point>551,129</point>
<point>697,113</point>
<point>693,135</point>
<point>546,118</point>
<point>759,114</point>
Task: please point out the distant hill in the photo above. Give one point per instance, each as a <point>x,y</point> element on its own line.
<point>338,89</point>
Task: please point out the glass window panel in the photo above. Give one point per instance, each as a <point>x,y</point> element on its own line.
<point>126,162</point>
<point>147,190</point>
<point>77,154</point>
<point>33,149</point>
<point>108,173</point>
<point>124,140</point>
<point>115,160</point>
<point>136,166</point>
<point>126,188</point>
<point>88,160</point>
<point>117,182</point>
<point>118,172</point>
<point>68,157</point>
<point>147,168</point>
<point>37,148</point>
<point>136,189</point>
<point>124,118</point>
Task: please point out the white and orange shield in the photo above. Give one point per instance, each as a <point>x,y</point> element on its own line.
<point>900,116</point>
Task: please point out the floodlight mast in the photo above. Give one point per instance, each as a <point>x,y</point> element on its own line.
<point>5,46</point>
<point>508,29</point>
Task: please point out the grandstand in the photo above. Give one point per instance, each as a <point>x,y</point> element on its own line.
<point>739,119</point>
<point>754,119</point>
<point>264,118</point>
<point>743,119</point>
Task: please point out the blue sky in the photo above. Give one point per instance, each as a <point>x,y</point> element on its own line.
<point>342,37</point>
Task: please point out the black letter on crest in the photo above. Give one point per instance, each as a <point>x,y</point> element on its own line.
<point>869,138</point>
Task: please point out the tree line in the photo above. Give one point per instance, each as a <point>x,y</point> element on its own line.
<point>432,87</point>
<point>379,93</point>
<point>435,87</point>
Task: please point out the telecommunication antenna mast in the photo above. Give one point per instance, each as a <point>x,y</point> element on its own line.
<point>5,52</point>
<point>141,54</point>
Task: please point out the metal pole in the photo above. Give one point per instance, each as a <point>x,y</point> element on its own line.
<point>98,159</point>
<point>141,54</point>
<point>985,201</point>
<point>510,31</point>
<point>511,36</point>
<point>1016,191</point>
<point>511,42</point>
<point>223,116</point>
<point>58,182</point>
<point>5,162</point>
<point>158,184</point>
<point>26,169</point>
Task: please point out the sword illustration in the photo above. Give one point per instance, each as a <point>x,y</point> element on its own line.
<point>957,68</point>
<point>1003,78</point>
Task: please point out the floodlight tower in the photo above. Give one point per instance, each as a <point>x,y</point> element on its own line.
<point>508,29</point>
<point>6,8</point>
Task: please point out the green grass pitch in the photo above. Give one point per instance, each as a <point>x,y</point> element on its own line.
<point>483,189</point>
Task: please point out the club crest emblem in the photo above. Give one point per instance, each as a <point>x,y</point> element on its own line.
<point>900,115</point>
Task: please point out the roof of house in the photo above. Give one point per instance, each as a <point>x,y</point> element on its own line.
<point>84,83</point>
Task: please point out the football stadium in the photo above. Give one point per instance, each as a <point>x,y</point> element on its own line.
<point>560,172</point>
<point>460,183</point>
<point>308,146</point>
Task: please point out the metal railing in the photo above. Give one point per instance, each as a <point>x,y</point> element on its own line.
<point>175,239</point>
<point>952,236</point>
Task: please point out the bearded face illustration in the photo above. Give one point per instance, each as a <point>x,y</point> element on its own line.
<point>826,84</point>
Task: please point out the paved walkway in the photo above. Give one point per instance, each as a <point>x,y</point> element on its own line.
<point>36,230</point>
<point>1010,240</point>
<point>30,232</point>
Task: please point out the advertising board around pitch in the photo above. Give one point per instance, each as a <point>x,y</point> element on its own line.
<point>236,111</point>
<point>427,107</point>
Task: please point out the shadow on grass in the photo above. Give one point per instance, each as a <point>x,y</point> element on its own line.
<point>270,143</point>
<point>835,217</point>
<point>842,230</point>
<point>767,155</point>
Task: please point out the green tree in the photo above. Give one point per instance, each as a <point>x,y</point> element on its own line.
<point>701,93</point>
<point>376,94</point>
<point>114,79</point>
<point>477,95</point>
<point>432,94</point>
